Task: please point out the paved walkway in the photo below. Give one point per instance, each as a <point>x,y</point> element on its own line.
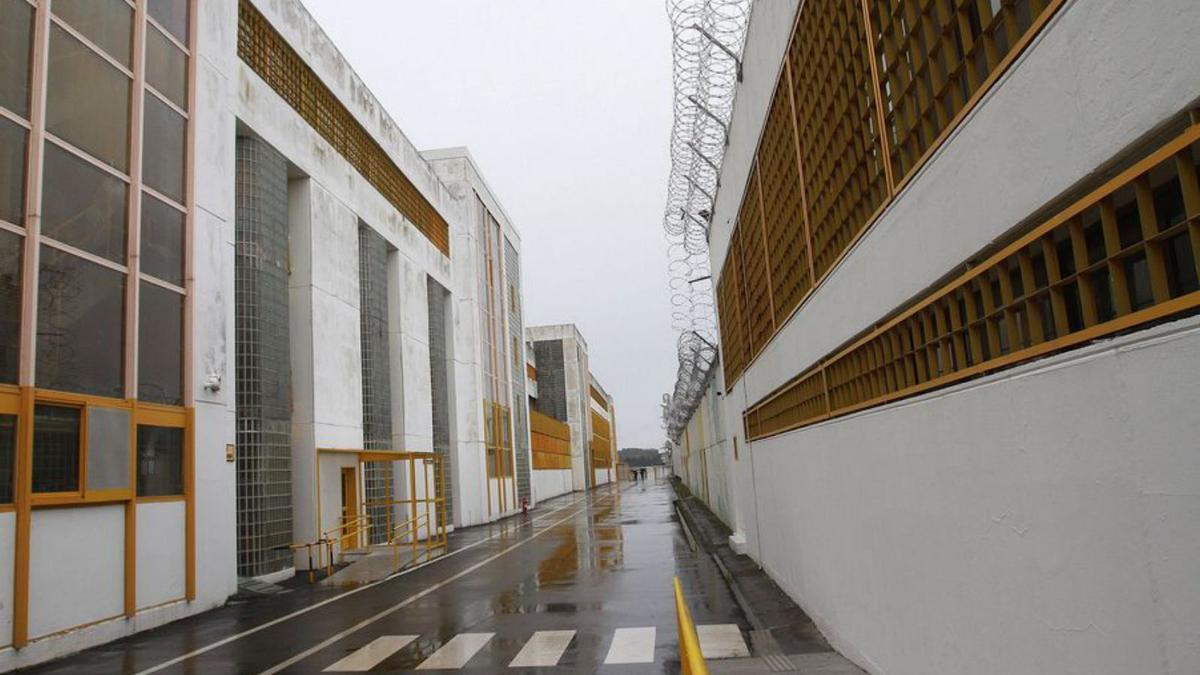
<point>582,585</point>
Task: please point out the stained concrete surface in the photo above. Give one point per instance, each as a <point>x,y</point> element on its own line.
<point>783,634</point>
<point>591,563</point>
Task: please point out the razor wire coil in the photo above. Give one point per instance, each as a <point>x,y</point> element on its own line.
<point>707,41</point>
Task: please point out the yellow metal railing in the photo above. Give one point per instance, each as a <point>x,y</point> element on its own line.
<point>408,535</point>
<point>691,659</point>
<point>353,529</point>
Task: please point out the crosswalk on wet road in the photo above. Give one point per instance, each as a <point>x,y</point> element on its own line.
<point>545,648</point>
<point>582,585</point>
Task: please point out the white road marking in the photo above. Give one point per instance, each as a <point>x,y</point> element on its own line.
<point>721,641</point>
<point>456,652</point>
<point>372,655</point>
<point>275,622</point>
<point>413,598</point>
<point>632,645</point>
<point>545,648</point>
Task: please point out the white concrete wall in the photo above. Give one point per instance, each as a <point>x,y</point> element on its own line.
<point>577,378</point>
<point>477,498</point>
<point>703,459</point>
<point>161,553</point>
<point>1014,524</point>
<point>330,486</point>
<point>326,348</point>
<point>547,483</point>
<point>62,594</point>
<point>1036,521</point>
<point>58,601</point>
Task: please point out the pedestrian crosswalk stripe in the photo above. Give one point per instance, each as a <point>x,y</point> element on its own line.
<point>545,648</point>
<point>632,645</point>
<point>456,652</point>
<point>372,655</point>
<point>721,641</point>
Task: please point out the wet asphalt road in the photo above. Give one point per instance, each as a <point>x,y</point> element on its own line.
<point>592,563</point>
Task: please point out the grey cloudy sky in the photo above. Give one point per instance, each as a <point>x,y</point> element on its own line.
<point>566,107</point>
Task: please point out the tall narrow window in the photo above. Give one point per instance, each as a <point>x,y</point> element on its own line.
<point>87,100</point>
<point>56,436</point>
<point>172,15</point>
<point>160,346</point>
<point>164,149</point>
<point>8,453</point>
<point>16,31</point>
<point>108,24</point>
<point>162,240</point>
<point>373,252</point>
<point>439,386</point>
<point>13,141</point>
<point>10,305</point>
<point>80,325</point>
<point>166,67</point>
<point>84,206</point>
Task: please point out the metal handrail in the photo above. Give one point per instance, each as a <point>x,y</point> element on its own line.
<point>393,536</point>
<point>412,527</point>
<point>353,527</point>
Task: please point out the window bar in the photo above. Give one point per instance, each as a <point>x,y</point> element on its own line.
<point>898,362</point>
<point>133,215</point>
<point>887,377</point>
<point>808,241</point>
<point>1054,278</point>
<point>1032,310</point>
<point>1087,290</point>
<point>1155,258</point>
<point>939,339</point>
<point>1118,285</point>
<point>910,363</point>
<point>956,331</point>
<point>872,372</point>
<point>977,332</point>
<point>762,225</point>
<point>1189,183</point>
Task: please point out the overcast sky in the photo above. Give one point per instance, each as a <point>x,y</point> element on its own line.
<point>566,107</point>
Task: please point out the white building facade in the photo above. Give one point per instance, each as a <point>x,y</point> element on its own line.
<point>953,417</point>
<point>573,417</point>
<point>232,287</point>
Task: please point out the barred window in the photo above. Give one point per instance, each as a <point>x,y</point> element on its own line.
<point>159,461</point>
<point>56,448</point>
<point>8,454</point>
<point>867,91</point>
<point>1122,257</point>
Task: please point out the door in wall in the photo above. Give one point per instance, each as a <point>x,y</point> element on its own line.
<point>349,496</point>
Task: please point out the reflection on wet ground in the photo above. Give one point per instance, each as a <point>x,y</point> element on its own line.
<point>591,564</point>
